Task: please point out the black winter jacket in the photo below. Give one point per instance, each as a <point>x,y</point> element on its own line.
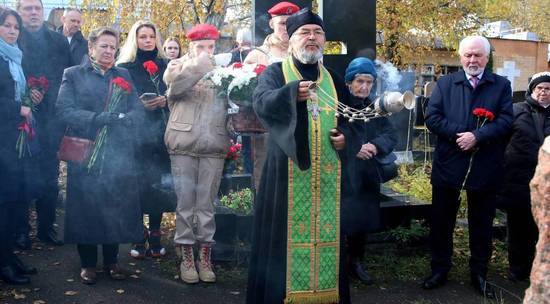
<point>521,156</point>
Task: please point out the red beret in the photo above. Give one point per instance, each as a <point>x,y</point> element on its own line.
<point>283,8</point>
<point>203,32</point>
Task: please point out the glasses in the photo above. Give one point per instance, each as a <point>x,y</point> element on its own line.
<point>542,89</point>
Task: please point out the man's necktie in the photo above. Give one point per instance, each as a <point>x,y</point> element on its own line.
<point>474,81</point>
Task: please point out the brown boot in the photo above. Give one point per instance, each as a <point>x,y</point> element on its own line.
<point>188,272</point>
<point>206,274</point>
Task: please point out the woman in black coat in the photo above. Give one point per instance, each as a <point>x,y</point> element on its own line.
<point>531,125</point>
<point>143,56</point>
<point>12,113</point>
<point>361,202</point>
<point>102,202</point>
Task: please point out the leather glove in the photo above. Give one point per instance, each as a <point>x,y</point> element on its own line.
<point>105,118</point>
<point>124,120</point>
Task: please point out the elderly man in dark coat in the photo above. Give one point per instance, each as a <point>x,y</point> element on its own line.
<point>468,157</point>
<point>531,125</point>
<point>78,45</point>
<point>45,53</point>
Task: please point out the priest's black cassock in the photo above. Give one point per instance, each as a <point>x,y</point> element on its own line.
<point>286,120</point>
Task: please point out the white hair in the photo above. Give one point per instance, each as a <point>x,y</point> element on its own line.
<point>471,39</point>
<point>243,35</point>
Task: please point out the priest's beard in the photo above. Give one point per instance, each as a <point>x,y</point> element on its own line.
<point>307,57</point>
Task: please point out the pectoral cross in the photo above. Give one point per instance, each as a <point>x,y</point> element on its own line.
<point>313,102</point>
<point>314,109</point>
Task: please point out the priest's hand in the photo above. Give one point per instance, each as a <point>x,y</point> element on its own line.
<point>303,90</point>
<point>367,151</point>
<point>466,141</point>
<point>338,140</point>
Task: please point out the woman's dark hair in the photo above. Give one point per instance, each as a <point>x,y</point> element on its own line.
<point>5,12</point>
<point>100,31</point>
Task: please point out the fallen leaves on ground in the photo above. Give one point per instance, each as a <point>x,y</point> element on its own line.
<point>71,293</point>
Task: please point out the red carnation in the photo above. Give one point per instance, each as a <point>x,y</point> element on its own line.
<point>26,127</point>
<point>151,67</point>
<point>122,83</point>
<point>259,69</point>
<point>237,65</point>
<point>489,115</point>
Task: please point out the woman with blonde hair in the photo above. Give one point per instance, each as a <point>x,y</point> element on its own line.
<point>172,48</point>
<point>142,55</point>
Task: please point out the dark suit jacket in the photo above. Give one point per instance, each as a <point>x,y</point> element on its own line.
<point>78,47</point>
<point>450,112</point>
<point>49,62</point>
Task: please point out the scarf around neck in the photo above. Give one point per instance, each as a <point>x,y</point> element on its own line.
<point>13,55</point>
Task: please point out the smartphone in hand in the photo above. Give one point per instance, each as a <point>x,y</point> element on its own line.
<point>147,97</point>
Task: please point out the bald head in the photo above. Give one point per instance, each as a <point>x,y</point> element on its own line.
<point>72,21</point>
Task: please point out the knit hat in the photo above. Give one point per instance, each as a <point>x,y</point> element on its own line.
<point>301,18</point>
<point>538,78</point>
<point>360,65</point>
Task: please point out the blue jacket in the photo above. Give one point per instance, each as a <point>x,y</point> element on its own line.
<point>450,112</point>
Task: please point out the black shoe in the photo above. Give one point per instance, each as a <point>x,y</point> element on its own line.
<point>10,276</point>
<point>50,237</point>
<point>23,242</point>
<point>435,280</point>
<point>358,271</point>
<point>21,268</point>
<point>515,276</point>
<point>482,286</point>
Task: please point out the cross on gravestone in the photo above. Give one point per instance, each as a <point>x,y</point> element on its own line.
<point>509,71</point>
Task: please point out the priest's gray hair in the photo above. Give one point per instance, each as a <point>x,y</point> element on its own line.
<point>471,39</point>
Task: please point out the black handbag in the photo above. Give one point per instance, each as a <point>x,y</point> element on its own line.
<point>386,166</point>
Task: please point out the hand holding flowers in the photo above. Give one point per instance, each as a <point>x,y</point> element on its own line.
<point>36,89</point>
<point>467,141</point>
<point>159,102</point>
<point>120,89</point>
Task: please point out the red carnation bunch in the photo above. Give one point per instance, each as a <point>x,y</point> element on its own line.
<point>237,65</point>
<point>151,67</point>
<point>234,151</point>
<point>122,84</point>
<point>120,89</point>
<point>482,113</point>
<point>38,83</point>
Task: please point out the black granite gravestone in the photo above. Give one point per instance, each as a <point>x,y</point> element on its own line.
<point>352,22</point>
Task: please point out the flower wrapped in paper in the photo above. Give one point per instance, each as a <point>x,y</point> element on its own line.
<point>237,83</point>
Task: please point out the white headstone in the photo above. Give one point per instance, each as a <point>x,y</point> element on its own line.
<point>509,71</point>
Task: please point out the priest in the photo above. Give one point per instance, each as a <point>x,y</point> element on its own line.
<point>297,248</point>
